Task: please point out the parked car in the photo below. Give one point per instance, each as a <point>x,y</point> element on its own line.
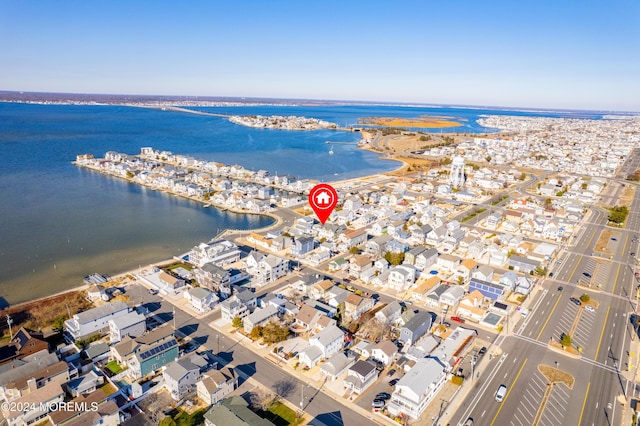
<point>391,372</point>
<point>457,319</point>
<point>559,288</point>
<point>586,274</point>
<point>589,308</point>
<point>576,301</point>
<point>393,382</point>
<point>482,351</point>
<point>153,291</point>
<point>383,396</point>
<point>446,324</point>
<point>377,403</point>
<point>550,274</point>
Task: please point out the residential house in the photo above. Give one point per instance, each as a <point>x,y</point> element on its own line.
<point>354,237</point>
<point>213,277</point>
<point>401,277</point>
<point>215,385</point>
<point>523,285</point>
<point>307,317</point>
<point>130,324</point>
<point>355,305</point>
<point>84,384</point>
<point>415,328</point>
<point>181,376</point>
<point>451,297</point>
<point>384,352</point>
<point>260,317</point>
<point>336,365</point>
<point>24,343</point>
<point>426,259</point>
<point>389,313</point>
<point>322,346</point>
<point>416,389</point>
<point>484,273</point>
<point>360,376</point>
<point>321,289</point>
<point>201,299</point>
<point>488,290</point>
<point>147,353</point>
<point>233,307</point>
<point>270,268</point>
<point>219,253</point>
<point>26,379</point>
<point>448,262</point>
<point>466,268</point>
<point>424,287</point>
<point>42,400</point>
<point>471,306</point>
<point>233,411</point>
<point>523,264</point>
<point>94,321</point>
<point>436,236</point>
<point>358,263</point>
<point>247,298</point>
<point>432,300</point>
<point>410,256</point>
<point>302,246</point>
<point>102,411</point>
<point>377,246</point>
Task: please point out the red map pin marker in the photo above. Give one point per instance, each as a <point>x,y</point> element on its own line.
<point>323,199</point>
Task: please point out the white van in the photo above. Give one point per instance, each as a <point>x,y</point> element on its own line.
<point>502,391</point>
<point>524,313</point>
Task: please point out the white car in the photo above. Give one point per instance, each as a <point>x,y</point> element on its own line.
<point>589,308</point>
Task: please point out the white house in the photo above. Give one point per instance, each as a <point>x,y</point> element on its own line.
<point>322,346</point>
<point>401,277</point>
<point>201,299</point>
<point>418,388</point>
<point>130,324</point>
<point>181,376</point>
<point>94,321</point>
<point>384,351</point>
<point>215,385</point>
<point>360,376</point>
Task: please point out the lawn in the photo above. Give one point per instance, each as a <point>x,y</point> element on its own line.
<point>280,415</point>
<point>114,367</point>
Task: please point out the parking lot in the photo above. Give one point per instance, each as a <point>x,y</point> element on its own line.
<point>553,412</point>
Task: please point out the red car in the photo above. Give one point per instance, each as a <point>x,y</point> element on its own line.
<point>457,319</point>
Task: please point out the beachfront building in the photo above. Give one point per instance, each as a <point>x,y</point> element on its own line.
<point>93,321</point>
<point>418,388</point>
<point>219,253</point>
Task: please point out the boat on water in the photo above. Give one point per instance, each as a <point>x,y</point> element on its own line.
<point>331,150</point>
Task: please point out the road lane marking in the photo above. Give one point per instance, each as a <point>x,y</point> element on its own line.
<point>585,403</point>
<point>549,317</point>
<point>509,391</point>
<point>604,324</point>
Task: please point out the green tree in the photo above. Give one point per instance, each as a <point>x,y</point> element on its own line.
<point>237,322</point>
<point>585,298</point>
<point>565,340</point>
<point>354,250</point>
<point>618,214</point>
<point>523,176</point>
<point>488,158</point>
<point>58,323</point>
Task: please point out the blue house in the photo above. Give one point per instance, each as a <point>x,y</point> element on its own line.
<point>147,353</point>
<point>302,246</point>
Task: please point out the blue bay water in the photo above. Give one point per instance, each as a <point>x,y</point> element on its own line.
<point>59,223</point>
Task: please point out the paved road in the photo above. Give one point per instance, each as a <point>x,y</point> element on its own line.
<point>322,407</point>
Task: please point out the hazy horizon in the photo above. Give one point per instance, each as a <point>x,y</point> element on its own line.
<point>548,55</point>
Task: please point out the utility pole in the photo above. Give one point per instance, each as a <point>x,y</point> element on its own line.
<point>9,322</point>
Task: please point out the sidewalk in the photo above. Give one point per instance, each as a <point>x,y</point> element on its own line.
<point>312,378</point>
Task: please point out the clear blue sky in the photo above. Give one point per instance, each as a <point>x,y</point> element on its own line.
<point>555,54</point>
